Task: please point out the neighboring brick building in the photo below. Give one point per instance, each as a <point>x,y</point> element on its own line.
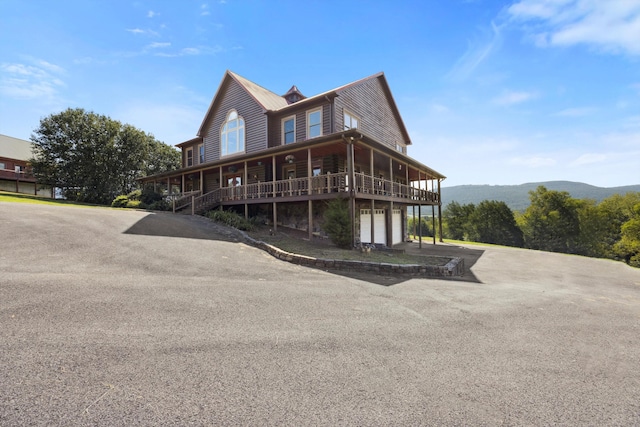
<point>15,173</point>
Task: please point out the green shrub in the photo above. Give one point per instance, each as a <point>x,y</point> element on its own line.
<point>135,195</point>
<point>148,196</point>
<point>135,204</point>
<point>231,219</point>
<point>337,223</point>
<point>120,202</point>
<point>159,205</point>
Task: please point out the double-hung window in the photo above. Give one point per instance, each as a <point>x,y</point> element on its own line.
<point>289,130</point>
<point>314,123</point>
<point>232,134</point>
<point>201,154</point>
<point>350,121</point>
<point>189,157</point>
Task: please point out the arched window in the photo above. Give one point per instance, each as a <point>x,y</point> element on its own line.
<point>232,134</point>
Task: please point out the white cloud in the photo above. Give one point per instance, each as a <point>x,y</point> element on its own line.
<point>22,81</point>
<point>158,45</point>
<point>514,97</point>
<point>137,31</point>
<point>588,159</point>
<point>204,10</point>
<point>476,54</point>
<point>576,112</point>
<point>533,161</point>
<point>438,108</point>
<point>151,14</point>
<point>610,26</point>
<point>193,51</point>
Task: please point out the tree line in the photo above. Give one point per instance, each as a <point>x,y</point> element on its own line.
<point>555,222</point>
<point>93,158</point>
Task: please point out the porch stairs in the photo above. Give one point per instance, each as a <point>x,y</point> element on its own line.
<point>195,203</point>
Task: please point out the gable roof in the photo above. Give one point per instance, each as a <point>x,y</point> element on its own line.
<point>336,92</point>
<point>272,102</point>
<point>266,99</point>
<point>14,148</point>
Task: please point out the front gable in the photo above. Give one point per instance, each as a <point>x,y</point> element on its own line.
<point>371,102</point>
<point>250,102</point>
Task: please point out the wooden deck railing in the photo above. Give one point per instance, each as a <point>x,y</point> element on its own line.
<point>323,184</point>
<point>182,200</point>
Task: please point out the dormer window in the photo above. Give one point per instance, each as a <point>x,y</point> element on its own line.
<point>314,123</point>
<point>232,134</point>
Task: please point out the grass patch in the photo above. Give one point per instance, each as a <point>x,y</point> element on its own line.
<point>25,198</point>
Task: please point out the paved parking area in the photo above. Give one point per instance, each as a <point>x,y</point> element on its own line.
<point>111,317</point>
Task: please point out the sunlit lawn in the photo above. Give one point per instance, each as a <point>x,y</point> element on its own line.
<point>26,198</point>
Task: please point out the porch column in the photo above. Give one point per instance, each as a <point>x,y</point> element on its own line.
<point>220,178</point>
<point>201,182</point>
<point>419,211</point>
<point>244,191</point>
<point>182,184</point>
<point>389,217</point>
<point>373,227</point>
<point>350,187</point>
<point>420,225</point>
<point>433,222</point>
<point>273,177</point>
<point>275,216</point>
<point>414,220</point>
<point>169,186</point>
<point>439,210</point>
<point>310,207</point>
<point>391,174</point>
<point>373,185</point>
<point>309,172</point>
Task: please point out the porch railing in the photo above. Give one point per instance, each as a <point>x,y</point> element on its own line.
<point>182,200</point>
<point>367,184</point>
<point>322,184</point>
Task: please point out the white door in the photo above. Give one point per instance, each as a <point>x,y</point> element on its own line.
<point>379,224</point>
<point>396,226</point>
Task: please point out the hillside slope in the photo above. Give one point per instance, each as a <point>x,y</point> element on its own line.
<point>517,196</point>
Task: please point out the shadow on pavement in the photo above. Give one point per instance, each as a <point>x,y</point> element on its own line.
<point>197,227</point>
<point>183,226</point>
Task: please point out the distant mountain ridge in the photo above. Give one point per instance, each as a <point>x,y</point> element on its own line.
<point>517,196</point>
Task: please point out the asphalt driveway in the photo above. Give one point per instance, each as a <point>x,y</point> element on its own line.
<point>118,317</point>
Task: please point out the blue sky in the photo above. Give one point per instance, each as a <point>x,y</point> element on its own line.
<point>491,92</point>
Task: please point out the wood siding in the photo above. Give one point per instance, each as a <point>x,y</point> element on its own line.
<point>275,123</point>
<point>233,96</point>
<point>369,102</point>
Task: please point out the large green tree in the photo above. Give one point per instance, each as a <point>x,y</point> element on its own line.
<point>456,217</point>
<point>493,222</point>
<point>551,222</point>
<point>94,158</point>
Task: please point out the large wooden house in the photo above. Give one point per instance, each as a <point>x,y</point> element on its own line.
<point>281,157</point>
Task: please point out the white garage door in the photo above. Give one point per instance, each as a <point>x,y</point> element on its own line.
<point>380,230</point>
<point>396,224</point>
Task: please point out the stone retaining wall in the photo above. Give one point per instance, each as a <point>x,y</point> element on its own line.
<point>455,267</point>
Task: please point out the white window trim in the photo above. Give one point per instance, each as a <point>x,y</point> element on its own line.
<point>309,112</point>
<point>346,113</point>
<point>244,135</point>
<point>186,160</point>
<point>294,128</point>
<point>200,159</point>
